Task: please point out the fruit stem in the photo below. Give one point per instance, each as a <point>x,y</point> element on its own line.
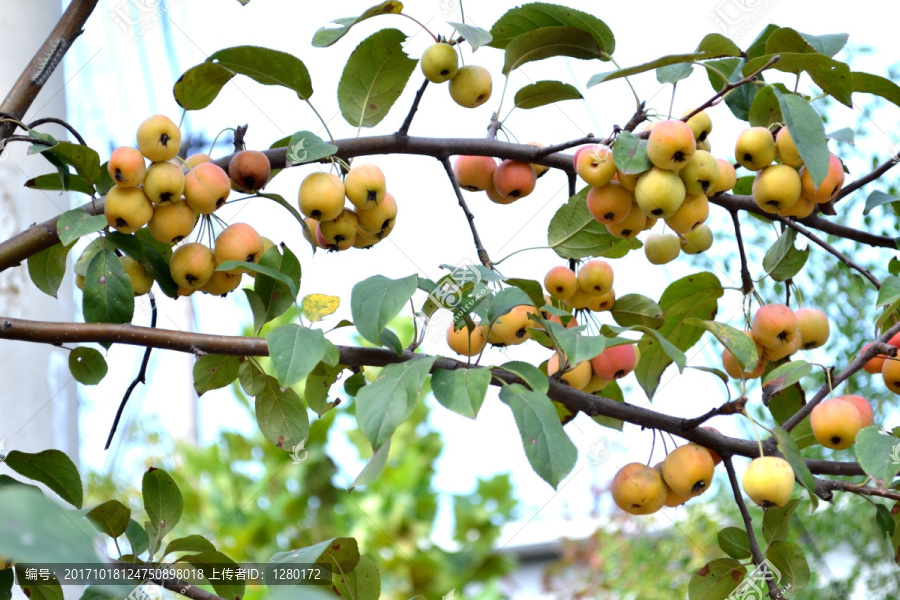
<point>521,250</point>
<point>324,124</point>
<point>755,431</point>
<point>672,99</point>
<point>216,139</point>
<point>419,23</point>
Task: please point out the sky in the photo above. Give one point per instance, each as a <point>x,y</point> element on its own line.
<point>122,71</point>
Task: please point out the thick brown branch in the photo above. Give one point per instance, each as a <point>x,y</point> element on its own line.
<point>48,57</point>
<point>834,252</point>
<point>758,558</point>
<point>353,357</point>
<point>479,247</point>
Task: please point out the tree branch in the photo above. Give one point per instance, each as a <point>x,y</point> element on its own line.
<point>833,251</point>
<point>404,129</point>
<point>179,586</point>
<point>482,253</point>
<point>746,280</point>
<point>48,57</point>
<point>721,93</point>
<point>354,357</point>
<point>826,486</point>
<point>875,174</point>
<point>758,558</point>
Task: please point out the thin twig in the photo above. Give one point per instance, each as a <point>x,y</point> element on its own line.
<point>833,251</point>
<point>721,93</point>
<point>44,63</point>
<point>493,127</point>
<point>828,485</point>
<point>404,129</point>
<point>746,280</point>
<point>140,378</point>
<point>482,253</point>
<point>540,152</point>
<point>732,407</point>
<point>61,123</point>
<point>869,178</point>
<point>758,558</point>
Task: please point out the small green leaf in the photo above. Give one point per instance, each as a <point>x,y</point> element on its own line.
<point>374,77</point>
<point>546,42</point>
<point>630,153</point>
<point>889,292</point>
<point>341,552</point>
<point>377,300</point>
<point>792,455</point>
<point>542,93</point>
<point>326,36</point>
<point>214,371</point>
<point>48,267</point>
<point>878,453</point>
<point>574,233</point>
<point>734,542</point>
<point>163,504</point>
<point>85,160</point>
<point>867,83</point>
<point>374,467</point>
<point>674,73</point>
<point>765,110</point>
<point>530,374</point>
<point>52,468</point>
<point>777,521</point>
<point>111,517</point>
<point>191,543</point>
<point>577,347</point>
<point>535,15</point>
<point>75,223</point>
<point>783,260</point>
<point>829,44</point>
<point>266,66</point>
<point>108,296</point>
<point>318,384</point>
<point>504,301</point>
<point>362,583</point>
<point>476,36</point>
<point>198,86</point>
<point>844,135</point>
<point>251,377</point>
<point>306,147</point>
<point>87,365</point>
<point>635,309</point>
<point>735,340</point>
<point>461,390</point>
<point>791,563</point>
<point>531,287</point>
<point>808,133</point>
<point>295,351</point>
<point>884,520</point>
<point>137,537</point>
<point>281,415</point>
<point>716,580</point>
<point>784,376</point>
<point>230,265</point>
<point>51,182</point>
<point>878,198</point>
<point>388,401</point>
<point>550,452</point>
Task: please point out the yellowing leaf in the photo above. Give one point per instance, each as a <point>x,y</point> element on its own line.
<point>318,306</point>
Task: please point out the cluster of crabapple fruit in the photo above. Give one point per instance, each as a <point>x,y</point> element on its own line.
<point>170,196</point>
<point>504,183</point>
<point>785,188</point>
<point>470,85</point>
<point>334,227</point>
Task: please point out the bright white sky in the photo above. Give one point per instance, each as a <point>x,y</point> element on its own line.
<point>115,82</point>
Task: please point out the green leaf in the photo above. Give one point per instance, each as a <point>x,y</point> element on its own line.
<point>108,297</point>
<point>198,86</point>
<point>867,83</point>
<point>215,563</point>
<point>535,15</point>
<point>791,563</point>
<point>504,301</point>
<point>546,42</point>
<point>389,400</point>
<point>878,198</point>
<point>7,579</point>
<point>318,384</point>
<point>808,133</point>
<point>845,135</point>
<point>674,73</point>
<point>51,182</point>
<point>156,262</point>
<point>713,45</point>
<point>530,374</point>
<point>374,77</point>
<point>783,377</point>
<point>716,580</point>
<point>75,223</point>
<point>739,100</point>
<point>273,295</point>
<point>829,44</point>
<point>281,415</point>
<point>230,265</point>
<point>214,371</point>
<point>734,542</point>
<point>163,504</point>
<point>111,517</point>
<point>542,93</point>
<point>766,109</point>
<point>306,147</point>
<point>832,76</point>
<point>33,529</point>
<point>574,233</point>
<point>38,589</point>
<point>87,365</point>
<point>295,351</point>
<point>191,543</point>
<point>476,36</point>
<point>266,66</point>
<point>783,260</point>
<point>362,583</point>
<point>737,342</point>
<point>48,267</point>
<point>461,390</point>
<point>792,454</point>
<point>577,347</point>
<point>635,309</point>
<point>884,520</point>
<point>777,521</point>
<point>85,160</point>
<point>630,153</point>
<point>531,287</point>
<point>692,296</point>
<point>878,453</point>
<point>137,537</point>
<point>550,452</point>
<point>52,468</point>
<point>326,36</point>
<point>889,292</point>
<point>377,300</point>
<point>341,552</point>
<point>373,468</point>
